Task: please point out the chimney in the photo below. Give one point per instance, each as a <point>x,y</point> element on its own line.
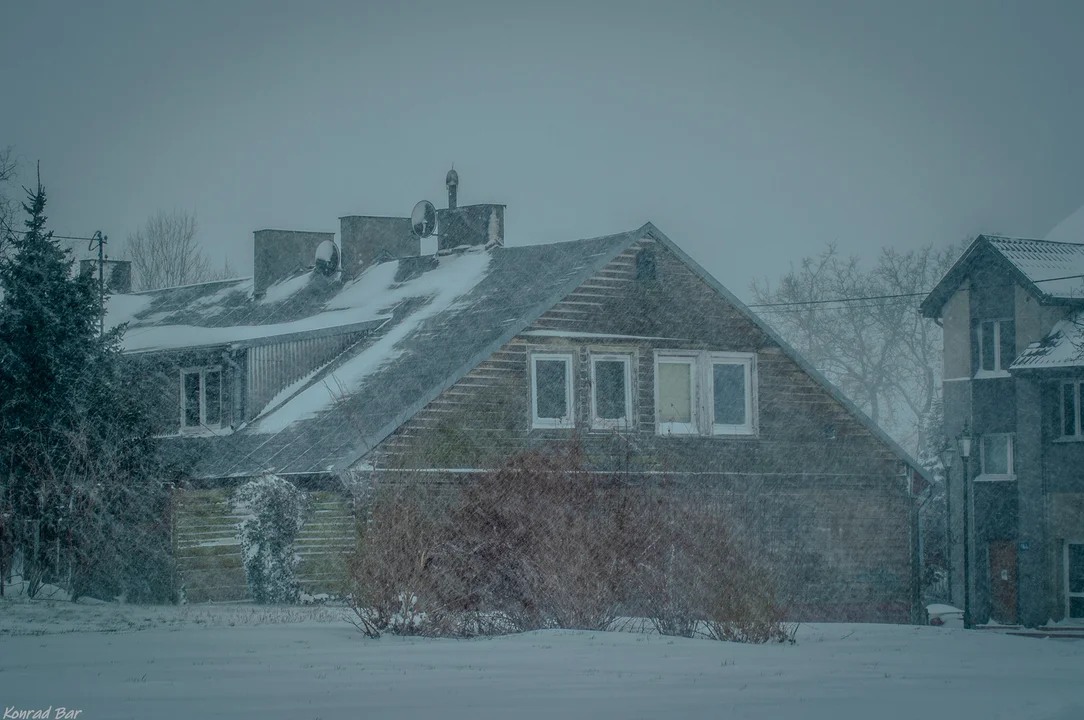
<point>452,181</point>
<point>116,273</point>
<point>278,254</point>
<point>470,225</point>
<point>366,239</point>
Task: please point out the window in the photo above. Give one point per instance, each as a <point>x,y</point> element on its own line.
<point>201,398</point>
<point>1074,580</point>
<point>996,344</point>
<point>705,393</point>
<point>611,391</point>
<point>996,457</point>
<point>551,391</point>
<point>1070,413</point>
<point>675,394</point>
<point>731,397</point>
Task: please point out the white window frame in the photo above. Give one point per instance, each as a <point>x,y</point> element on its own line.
<point>1077,388</point>
<point>548,423</point>
<point>598,423</point>
<point>982,459</point>
<point>203,424</point>
<point>999,369</point>
<point>678,357</point>
<point>748,362</point>
<point>702,379</point>
<point>1069,595</point>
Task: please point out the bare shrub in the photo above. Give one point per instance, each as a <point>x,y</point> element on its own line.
<point>391,582</point>
<point>543,543</point>
<point>696,576</point>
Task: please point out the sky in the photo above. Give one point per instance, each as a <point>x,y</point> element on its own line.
<point>751,133</point>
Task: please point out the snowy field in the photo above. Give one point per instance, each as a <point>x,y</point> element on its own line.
<point>114,662</point>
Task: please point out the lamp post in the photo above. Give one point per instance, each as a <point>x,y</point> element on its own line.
<point>946,462</point>
<point>963,445</point>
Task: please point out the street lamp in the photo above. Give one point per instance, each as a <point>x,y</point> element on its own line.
<point>963,445</point>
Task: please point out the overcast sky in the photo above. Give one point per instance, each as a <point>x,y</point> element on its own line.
<point>751,133</point>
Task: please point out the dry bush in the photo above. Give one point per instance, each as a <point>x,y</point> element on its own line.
<point>695,577</point>
<point>391,582</point>
<point>542,543</point>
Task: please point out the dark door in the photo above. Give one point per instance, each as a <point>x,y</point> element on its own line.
<point>1003,581</point>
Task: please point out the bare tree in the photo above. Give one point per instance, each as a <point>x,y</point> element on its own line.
<point>165,252</point>
<point>873,343</point>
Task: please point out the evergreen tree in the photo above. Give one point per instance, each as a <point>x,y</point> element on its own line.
<point>80,491</point>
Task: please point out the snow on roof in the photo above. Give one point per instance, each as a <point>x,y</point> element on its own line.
<point>224,313</point>
<point>448,313</point>
<point>1056,268</point>
<point>453,277</point>
<point>284,289</point>
<point>1063,347</point>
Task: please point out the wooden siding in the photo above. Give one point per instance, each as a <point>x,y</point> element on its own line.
<point>816,489</point>
<point>486,415</point>
<point>208,549</point>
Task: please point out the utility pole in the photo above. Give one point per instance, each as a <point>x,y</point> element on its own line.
<point>99,240</point>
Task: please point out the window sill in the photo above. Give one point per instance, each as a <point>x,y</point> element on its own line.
<point>603,426</point>
<point>991,374</point>
<point>1068,439</point>
<point>732,431</point>
<point>553,426</point>
<point>995,478</point>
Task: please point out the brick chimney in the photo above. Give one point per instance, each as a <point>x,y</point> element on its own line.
<point>278,254</point>
<point>367,239</point>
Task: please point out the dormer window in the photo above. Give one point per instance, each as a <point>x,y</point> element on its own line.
<point>201,398</point>
<point>996,346</point>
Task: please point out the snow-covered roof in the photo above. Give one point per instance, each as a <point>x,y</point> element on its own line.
<point>440,318</point>
<point>1063,347</point>
<point>1052,271</point>
<point>224,312</point>
<point>1056,268</point>
<point>435,319</point>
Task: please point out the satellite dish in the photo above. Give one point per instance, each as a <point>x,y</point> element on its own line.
<point>327,257</point>
<point>423,219</point>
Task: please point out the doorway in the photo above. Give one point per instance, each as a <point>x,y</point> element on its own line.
<point>1003,581</point>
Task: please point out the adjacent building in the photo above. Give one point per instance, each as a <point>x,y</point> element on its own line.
<point>1013,318</point>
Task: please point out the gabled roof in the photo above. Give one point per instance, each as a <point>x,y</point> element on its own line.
<point>436,327</point>
<point>1051,271</point>
<point>1063,347</point>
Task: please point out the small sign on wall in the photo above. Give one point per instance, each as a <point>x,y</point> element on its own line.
<point>1023,546</point>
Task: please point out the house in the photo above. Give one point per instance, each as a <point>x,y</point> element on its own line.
<point>1013,318</point>
<point>364,357</point>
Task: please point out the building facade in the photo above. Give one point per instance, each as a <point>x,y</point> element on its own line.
<point>1013,365</point>
<point>450,362</point>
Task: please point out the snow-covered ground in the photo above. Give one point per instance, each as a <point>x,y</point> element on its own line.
<point>304,663</point>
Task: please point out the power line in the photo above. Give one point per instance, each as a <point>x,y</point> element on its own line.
<point>837,300</point>
<point>859,298</point>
